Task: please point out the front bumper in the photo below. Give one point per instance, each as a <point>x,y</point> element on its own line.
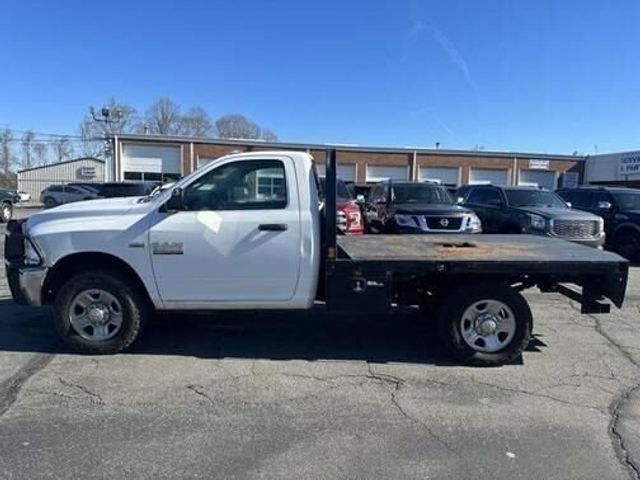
<point>595,242</point>
<point>26,284</point>
<point>25,281</point>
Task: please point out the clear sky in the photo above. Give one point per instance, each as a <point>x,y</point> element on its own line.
<point>530,75</point>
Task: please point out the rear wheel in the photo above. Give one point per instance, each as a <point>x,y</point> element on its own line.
<point>49,202</point>
<point>485,325</point>
<point>6,212</point>
<point>99,312</point>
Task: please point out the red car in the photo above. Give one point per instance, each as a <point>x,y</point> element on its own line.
<point>349,219</point>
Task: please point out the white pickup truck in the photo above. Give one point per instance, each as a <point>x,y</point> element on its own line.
<point>247,232</point>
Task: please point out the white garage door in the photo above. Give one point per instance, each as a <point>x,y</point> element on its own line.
<point>538,178</point>
<point>488,176</point>
<point>379,173</point>
<point>346,172</point>
<point>151,158</point>
<point>443,175</point>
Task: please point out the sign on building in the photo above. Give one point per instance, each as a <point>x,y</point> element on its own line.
<point>536,164</point>
<point>629,165</point>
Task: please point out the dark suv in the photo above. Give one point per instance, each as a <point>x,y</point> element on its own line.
<point>620,208</point>
<point>531,210</point>
<point>415,207</point>
<point>7,199</point>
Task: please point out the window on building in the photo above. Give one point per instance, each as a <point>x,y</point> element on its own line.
<point>245,185</point>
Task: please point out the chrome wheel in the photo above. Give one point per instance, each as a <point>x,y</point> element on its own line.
<point>96,315</point>
<point>488,326</point>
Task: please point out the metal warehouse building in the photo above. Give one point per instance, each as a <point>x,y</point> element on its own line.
<point>34,180</point>
<point>621,169</point>
<point>153,157</point>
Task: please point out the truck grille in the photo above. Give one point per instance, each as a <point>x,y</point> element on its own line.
<point>575,228</point>
<point>443,223</point>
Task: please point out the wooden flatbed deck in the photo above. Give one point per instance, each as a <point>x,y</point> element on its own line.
<point>470,248</point>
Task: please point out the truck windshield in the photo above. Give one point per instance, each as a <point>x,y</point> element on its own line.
<point>420,193</point>
<point>627,200</point>
<point>534,198</point>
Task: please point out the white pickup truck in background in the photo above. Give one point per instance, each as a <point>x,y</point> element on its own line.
<point>246,232</point>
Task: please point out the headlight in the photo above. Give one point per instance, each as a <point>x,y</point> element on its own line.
<point>405,221</point>
<point>537,222</point>
<point>474,225</point>
<point>31,255</point>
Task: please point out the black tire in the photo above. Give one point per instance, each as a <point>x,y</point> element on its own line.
<point>627,244</point>
<point>6,212</point>
<point>49,202</point>
<point>450,318</point>
<point>134,309</point>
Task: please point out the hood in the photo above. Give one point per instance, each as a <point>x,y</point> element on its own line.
<point>559,212</point>
<point>96,214</point>
<point>428,209</point>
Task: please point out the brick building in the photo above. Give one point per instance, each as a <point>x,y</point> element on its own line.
<point>154,157</point>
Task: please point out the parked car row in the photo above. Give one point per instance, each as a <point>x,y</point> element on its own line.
<point>601,217</point>
<point>55,195</point>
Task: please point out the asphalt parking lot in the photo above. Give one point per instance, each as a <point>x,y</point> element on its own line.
<point>308,395</point>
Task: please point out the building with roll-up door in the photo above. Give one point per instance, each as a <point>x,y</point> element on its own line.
<point>162,158</point>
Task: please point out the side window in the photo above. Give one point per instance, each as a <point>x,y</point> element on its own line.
<point>243,185</point>
<point>55,188</point>
<point>493,197</point>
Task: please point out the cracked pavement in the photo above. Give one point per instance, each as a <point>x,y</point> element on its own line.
<point>307,395</point>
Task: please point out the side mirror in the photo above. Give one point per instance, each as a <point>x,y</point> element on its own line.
<point>460,200</point>
<point>360,199</point>
<point>176,201</point>
<point>604,205</point>
<point>569,205</point>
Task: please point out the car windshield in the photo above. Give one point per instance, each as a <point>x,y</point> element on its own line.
<point>420,193</point>
<point>627,200</point>
<point>534,198</point>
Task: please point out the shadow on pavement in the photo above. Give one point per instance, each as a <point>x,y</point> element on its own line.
<point>402,336</point>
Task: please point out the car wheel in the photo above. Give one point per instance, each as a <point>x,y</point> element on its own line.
<point>49,202</point>
<point>6,212</point>
<point>99,312</point>
<point>485,325</point>
<point>627,245</point>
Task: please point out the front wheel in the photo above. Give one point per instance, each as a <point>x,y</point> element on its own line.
<point>6,212</point>
<point>99,312</point>
<point>627,245</point>
<point>485,325</point>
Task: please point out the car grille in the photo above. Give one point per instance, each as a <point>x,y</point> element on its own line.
<point>443,223</point>
<point>575,228</point>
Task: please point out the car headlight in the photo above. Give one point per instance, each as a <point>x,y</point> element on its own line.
<point>31,255</point>
<point>405,221</point>
<point>537,222</point>
<point>474,225</point>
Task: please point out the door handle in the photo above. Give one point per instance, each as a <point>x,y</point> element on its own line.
<point>272,227</point>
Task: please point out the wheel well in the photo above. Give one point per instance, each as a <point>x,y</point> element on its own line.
<point>76,263</point>
<point>626,230</point>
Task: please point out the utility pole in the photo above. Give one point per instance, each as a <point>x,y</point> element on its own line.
<point>107,117</point>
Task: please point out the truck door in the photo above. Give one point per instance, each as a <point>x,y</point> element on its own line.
<point>237,238</point>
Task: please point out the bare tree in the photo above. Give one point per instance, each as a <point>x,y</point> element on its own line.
<point>121,119</point>
<point>268,136</point>
<point>6,155</point>
<point>40,152</point>
<point>63,149</point>
<point>237,126</point>
<point>196,123</point>
<point>27,148</point>
<point>164,118</point>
